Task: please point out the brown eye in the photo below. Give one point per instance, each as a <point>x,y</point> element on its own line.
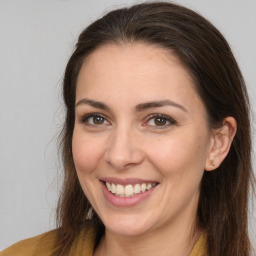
<point>98,120</point>
<point>94,119</point>
<point>160,121</point>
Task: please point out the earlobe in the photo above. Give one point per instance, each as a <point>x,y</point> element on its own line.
<point>220,144</point>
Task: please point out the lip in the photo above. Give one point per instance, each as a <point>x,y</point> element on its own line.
<point>126,201</point>
<point>127,181</point>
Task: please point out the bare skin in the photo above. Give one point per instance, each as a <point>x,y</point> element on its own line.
<point>120,132</point>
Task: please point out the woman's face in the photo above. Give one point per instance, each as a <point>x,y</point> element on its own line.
<point>141,140</point>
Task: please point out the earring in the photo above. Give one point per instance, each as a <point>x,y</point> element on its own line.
<point>212,163</point>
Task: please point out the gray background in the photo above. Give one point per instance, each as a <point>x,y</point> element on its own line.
<point>36,40</point>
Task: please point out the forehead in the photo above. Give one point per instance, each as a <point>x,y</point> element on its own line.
<point>136,56</point>
<point>141,70</point>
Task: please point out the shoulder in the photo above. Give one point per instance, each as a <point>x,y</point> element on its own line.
<point>41,245</point>
<point>200,248</point>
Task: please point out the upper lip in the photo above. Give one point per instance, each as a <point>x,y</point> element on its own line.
<point>126,181</point>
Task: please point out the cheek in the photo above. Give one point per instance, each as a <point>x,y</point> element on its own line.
<point>86,153</point>
<point>179,154</point>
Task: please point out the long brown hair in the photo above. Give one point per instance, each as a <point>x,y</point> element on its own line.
<point>223,202</point>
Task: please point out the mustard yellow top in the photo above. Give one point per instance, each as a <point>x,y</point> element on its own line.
<point>42,245</point>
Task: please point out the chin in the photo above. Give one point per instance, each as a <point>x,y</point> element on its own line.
<point>128,225</point>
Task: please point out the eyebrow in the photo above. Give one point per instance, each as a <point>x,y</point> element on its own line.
<point>156,104</point>
<point>93,103</point>
<point>140,107</point>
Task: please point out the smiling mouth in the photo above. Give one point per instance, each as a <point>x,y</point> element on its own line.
<point>129,190</point>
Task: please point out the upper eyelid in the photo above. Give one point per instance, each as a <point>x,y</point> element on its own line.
<point>86,116</point>
<point>147,118</point>
<point>160,115</point>
<point>157,115</point>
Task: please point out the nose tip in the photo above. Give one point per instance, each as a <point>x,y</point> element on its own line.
<point>123,153</point>
<point>121,161</point>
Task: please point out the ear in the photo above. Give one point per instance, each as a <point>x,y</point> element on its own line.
<point>220,143</point>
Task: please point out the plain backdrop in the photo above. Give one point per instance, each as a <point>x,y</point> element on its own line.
<point>36,40</point>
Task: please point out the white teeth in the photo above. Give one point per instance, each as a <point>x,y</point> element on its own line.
<point>143,187</point>
<point>119,189</point>
<point>149,186</point>
<point>108,186</point>
<point>113,188</point>
<point>128,190</point>
<point>137,188</point>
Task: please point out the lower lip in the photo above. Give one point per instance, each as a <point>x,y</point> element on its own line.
<point>126,201</point>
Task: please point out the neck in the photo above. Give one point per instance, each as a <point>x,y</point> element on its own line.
<point>178,240</point>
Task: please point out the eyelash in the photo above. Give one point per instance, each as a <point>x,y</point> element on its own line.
<point>161,116</point>
<point>84,119</point>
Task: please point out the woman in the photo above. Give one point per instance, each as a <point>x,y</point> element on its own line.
<point>156,144</point>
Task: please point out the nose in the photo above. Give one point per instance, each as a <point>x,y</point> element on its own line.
<point>123,150</point>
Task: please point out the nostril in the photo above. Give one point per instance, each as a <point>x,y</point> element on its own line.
<point>123,160</point>
<point>123,150</point>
